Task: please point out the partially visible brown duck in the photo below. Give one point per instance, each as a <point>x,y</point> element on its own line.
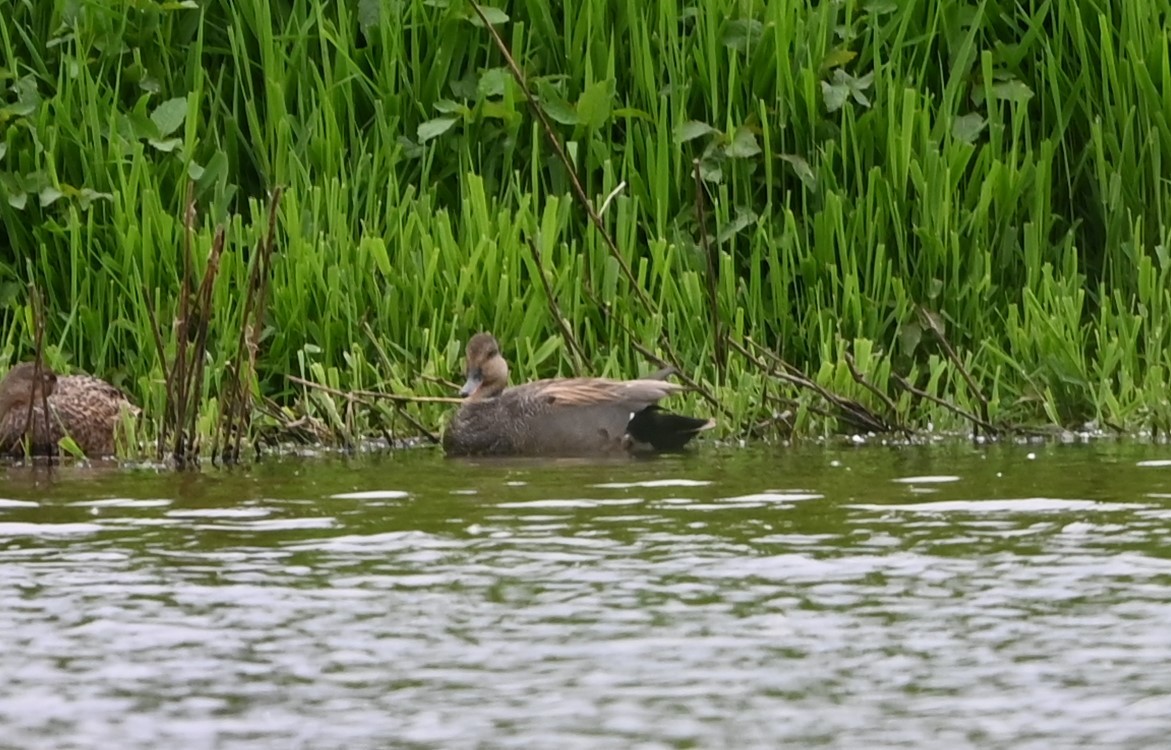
<point>86,408</point>
<point>561,416</point>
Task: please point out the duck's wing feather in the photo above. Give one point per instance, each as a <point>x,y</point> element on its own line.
<point>89,409</point>
<point>579,415</point>
<point>629,394</point>
<point>88,387</point>
<point>89,398</point>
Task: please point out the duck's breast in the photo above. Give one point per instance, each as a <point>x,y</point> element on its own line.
<point>480,428</point>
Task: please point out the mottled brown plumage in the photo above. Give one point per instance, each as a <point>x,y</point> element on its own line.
<point>86,408</point>
<point>561,416</point>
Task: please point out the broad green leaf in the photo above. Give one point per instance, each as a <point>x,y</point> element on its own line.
<point>369,14</point>
<point>845,86</point>
<point>910,334</point>
<point>1013,91</point>
<point>18,109</point>
<point>931,319</point>
<point>3,150</point>
<point>745,217</point>
<point>28,98</point>
<point>86,197</point>
<point>495,16</point>
<point>552,101</point>
<point>466,86</point>
<point>434,128</point>
<point>34,182</point>
<point>741,34</point>
<point>834,95</point>
<point>858,85</point>
<point>60,39</point>
<point>881,7</point>
<point>492,82</point>
<point>169,115</point>
<point>743,144</point>
<point>803,170</point>
<point>166,146</point>
<point>558,110</point>
<point>49,195</point>
<point>142,126</point>
<point>10,291</point>
<point>838,58</point>
<point>711,171</point>
<point>498,110</point>
<point>593,107</point>
<point>447,107</point>
<point>150,84</point>
<point>411,150</point>
<point>968,127</point>
<point>691,130</point>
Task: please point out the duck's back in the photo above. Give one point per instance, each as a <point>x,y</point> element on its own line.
<point>90,409</point>
<point>87,408</point>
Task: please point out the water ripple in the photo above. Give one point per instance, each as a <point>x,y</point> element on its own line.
<point>1024,606</point>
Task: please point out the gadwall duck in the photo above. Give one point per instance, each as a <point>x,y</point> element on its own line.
<point>86,408</point>
<point>561,416</point>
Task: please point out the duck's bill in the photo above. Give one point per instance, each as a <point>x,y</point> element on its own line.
<point>471,386</point>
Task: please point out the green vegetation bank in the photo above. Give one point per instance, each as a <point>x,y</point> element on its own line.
<point>945,214</point>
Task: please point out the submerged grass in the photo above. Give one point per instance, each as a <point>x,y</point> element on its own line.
<point>939,213</point>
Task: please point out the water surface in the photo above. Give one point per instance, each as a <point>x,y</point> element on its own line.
<point>984,597</point>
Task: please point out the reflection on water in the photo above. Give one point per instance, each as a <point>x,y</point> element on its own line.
<point>948,597</point>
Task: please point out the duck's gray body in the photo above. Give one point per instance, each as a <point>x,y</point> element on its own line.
<point>578,416</point>
<point>561,416</point>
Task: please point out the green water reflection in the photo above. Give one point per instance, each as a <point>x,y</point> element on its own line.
<point>1005,596</point>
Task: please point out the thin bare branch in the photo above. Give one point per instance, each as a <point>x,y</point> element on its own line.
<point>892,410</point>
<point>361,395</point>
<point>906,386</point>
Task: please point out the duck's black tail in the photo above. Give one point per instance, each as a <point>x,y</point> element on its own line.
<point>663,430</point>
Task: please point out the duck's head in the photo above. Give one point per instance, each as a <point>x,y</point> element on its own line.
<point>487,371</point>
<point>23,384</point>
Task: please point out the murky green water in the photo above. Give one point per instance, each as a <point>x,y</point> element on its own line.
<point>937,598</point>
